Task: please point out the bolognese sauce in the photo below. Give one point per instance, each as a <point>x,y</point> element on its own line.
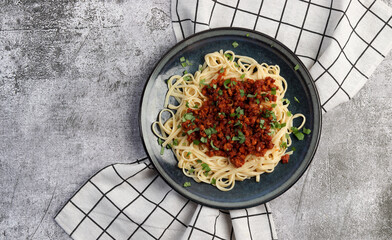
<point>236,119</point>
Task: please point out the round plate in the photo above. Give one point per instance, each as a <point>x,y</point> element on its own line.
<point>263,49</point>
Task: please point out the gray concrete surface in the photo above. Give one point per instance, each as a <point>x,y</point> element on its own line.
<point>71,76</point>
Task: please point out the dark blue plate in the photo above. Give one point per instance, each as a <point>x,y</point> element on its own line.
<point>263,49</point>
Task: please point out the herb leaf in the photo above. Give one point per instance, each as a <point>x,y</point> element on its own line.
<point>188,116</point>
<point>187,184</point>
<point>306,131</point>
<point>227,81</point>
<point>213,181</point>
<point>212,145</point>
<point>241,136</point>
<point>191,131</point>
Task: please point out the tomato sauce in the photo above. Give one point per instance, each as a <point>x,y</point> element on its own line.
<point>233,121</point>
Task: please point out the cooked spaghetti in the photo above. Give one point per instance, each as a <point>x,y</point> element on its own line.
<point>231,121</point>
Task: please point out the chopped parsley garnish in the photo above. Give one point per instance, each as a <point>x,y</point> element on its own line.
<point>235,138</point>
<point>196,142</point>
<point>251,96</point>
<point>188,116</point>
<point>297,133</point>
<point>285,101</point>
<point>168,146</point>
<point>271,133</point>
<point>296,99</point>
<point>227,81</point>
<point>262,124</point>
<point>273,105</point>
<point>283,145</point>
<point>186,78</point>
<point>238,123</point>
<point>195,106</point>
<point>187,104</point>
<point>222,113</point>
<point>229,56</point>
<point>198,161</point>
<point>191,131</point>
<point>293,149</point>
<point>222,70</point>
<point>187,62</point>
<point>192,170</point>
<point>175,142</point>
<point>203,139</point>
<point>247,34</point>
<point>235,44</point>
<point>242,76</point>
<point>296,67</point>
<point>160,141</point>
<point>220,92</point>
<point>275,125</point>
<point>257,101</point>
<point>287,136</point>
<point>162,150</point>
<point>185,72</point>
<point>228,137</point>
<point>205,167</point>
<point>187,184</point>
<point>189,153</point>
<point>214,86</point>
<point>289,114</point>
<point>182,59</point>
<point>266,99</point>
<point>210,131</point>
<point>306,131</point>
<point>213,181</point>
<point>241,136</point>
<point>212,145</point>
<point>183,64</point>
<point>202,82</point>
<point>273,91</point>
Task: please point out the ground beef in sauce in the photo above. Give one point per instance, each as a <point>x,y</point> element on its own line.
<point>231,121</point>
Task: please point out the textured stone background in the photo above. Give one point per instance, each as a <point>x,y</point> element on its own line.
<point>71,76</point>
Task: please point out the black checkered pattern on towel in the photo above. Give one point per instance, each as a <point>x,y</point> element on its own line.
<point>340,41</point>
<point>130,201</point>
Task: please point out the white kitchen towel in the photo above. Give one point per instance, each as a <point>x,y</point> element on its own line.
<point>130,201</point>
<point>341,42</point>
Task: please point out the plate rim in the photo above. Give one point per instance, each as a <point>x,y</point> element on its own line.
<point>255,201</point>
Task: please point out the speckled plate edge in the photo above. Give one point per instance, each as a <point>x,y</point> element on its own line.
<point>315,104</point>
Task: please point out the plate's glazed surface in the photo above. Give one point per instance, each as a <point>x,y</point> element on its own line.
<point>263,49</point>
